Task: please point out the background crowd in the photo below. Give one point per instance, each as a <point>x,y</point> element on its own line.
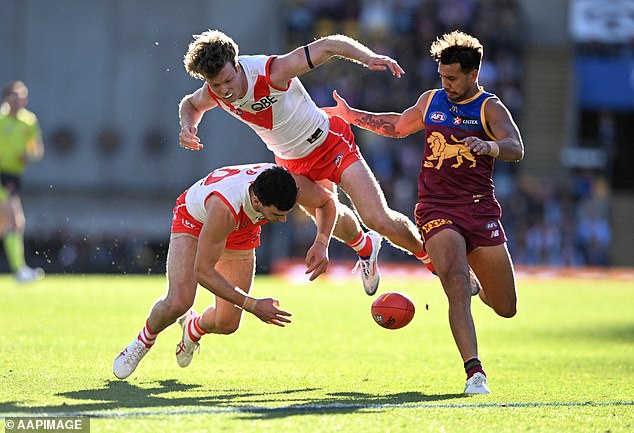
<point>559,221</point>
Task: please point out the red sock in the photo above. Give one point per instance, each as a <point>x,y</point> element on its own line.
<point>147,336</point>
<point>362,245</point>
<point>423,257</point>
<point>194,330</point>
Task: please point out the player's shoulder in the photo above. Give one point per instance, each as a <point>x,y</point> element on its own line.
<point>493,104</point>
<point>27,116</point>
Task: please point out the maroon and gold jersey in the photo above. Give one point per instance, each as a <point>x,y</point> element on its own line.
<point>450,173</point>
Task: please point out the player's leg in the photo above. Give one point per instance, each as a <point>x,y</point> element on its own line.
<point>182,283</point>
<point>363,189</point>
<point>238,268</point>
<point>494,269</point>
<point>180,296</point>
<point>14,242</point>
<point>5,212</point>
<point>347,227</point>
<point>358,181</point>
<point>366,244</point>
<point>325,166</point>
<point>447,249</point>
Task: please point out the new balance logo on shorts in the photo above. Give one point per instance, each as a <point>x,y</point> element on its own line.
<point>495,229</point>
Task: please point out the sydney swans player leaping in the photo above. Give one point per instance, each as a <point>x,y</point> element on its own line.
<point>265,93</point>
<point>215,230</point>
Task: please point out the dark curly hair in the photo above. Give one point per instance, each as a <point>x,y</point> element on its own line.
<point>276,187</point>
<point>458,47</point>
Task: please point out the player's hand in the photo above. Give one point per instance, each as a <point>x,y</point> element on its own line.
<point>188,138</point>
<point>381,63</point>
<point>477,145</point>
<point>316,260</point>
<point>340,109</point>
<point>266,309</point>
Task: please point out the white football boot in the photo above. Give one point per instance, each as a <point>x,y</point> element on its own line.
<point>186,347</point>
<point>370,266</point>
<point>129,358</point>
<point>477,384</point>
<point>26,274</point>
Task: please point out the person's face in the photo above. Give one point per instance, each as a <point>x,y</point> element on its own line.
<point>17,99</point>
<point>273,214</point>
<point>228,83</point>
<point>458,84</point>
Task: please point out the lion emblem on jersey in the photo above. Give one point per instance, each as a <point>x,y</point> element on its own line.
<point>442,150</point>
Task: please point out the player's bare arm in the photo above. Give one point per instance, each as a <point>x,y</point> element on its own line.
<point>304,58</point>
<point>395,125</point>
<point>312,195</point>
<point>211,244</point>
<point>508,145</point>
<point>35,149</point>
<point>190,112</point>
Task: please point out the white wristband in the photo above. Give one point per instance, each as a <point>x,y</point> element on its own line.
<point>495,149</point>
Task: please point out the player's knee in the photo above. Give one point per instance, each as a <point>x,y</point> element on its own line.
<point>379,223</point>
<point>506,310</point>
<point>227,327</point>
<point>178,305</point>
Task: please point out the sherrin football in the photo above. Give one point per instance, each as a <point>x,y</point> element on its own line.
<point>392,310</point>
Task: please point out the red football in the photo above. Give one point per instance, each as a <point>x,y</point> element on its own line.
<point>392,310</point>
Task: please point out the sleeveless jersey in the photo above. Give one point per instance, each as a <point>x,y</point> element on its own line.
<point>231,184</point>
<point>287,120</point>
<point>450,173</point>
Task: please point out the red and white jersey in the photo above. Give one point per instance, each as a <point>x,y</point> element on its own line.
<point>231,184</point>
<point>287,120</point>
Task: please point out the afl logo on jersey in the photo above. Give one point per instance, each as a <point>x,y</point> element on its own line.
<point>437,117</point>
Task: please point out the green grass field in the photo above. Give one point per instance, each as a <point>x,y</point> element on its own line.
<point>565,363</point>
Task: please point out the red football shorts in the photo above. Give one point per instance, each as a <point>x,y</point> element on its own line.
<point>331,158</point>
<point>245,238</point>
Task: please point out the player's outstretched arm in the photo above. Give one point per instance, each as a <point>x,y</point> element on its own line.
<point>395,125</point>
<point>304,58</point>
<point>211,244</point>
<point>190,112</point>
<point>314,196</point>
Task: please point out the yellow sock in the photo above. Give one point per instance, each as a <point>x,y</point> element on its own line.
<point>14,250</point>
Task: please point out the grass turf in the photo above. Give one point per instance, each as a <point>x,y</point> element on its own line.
<point>565,363</point>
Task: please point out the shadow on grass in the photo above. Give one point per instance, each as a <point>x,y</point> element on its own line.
<point>124,399</point>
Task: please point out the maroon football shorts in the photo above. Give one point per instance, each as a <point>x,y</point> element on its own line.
<point>478,223</point>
